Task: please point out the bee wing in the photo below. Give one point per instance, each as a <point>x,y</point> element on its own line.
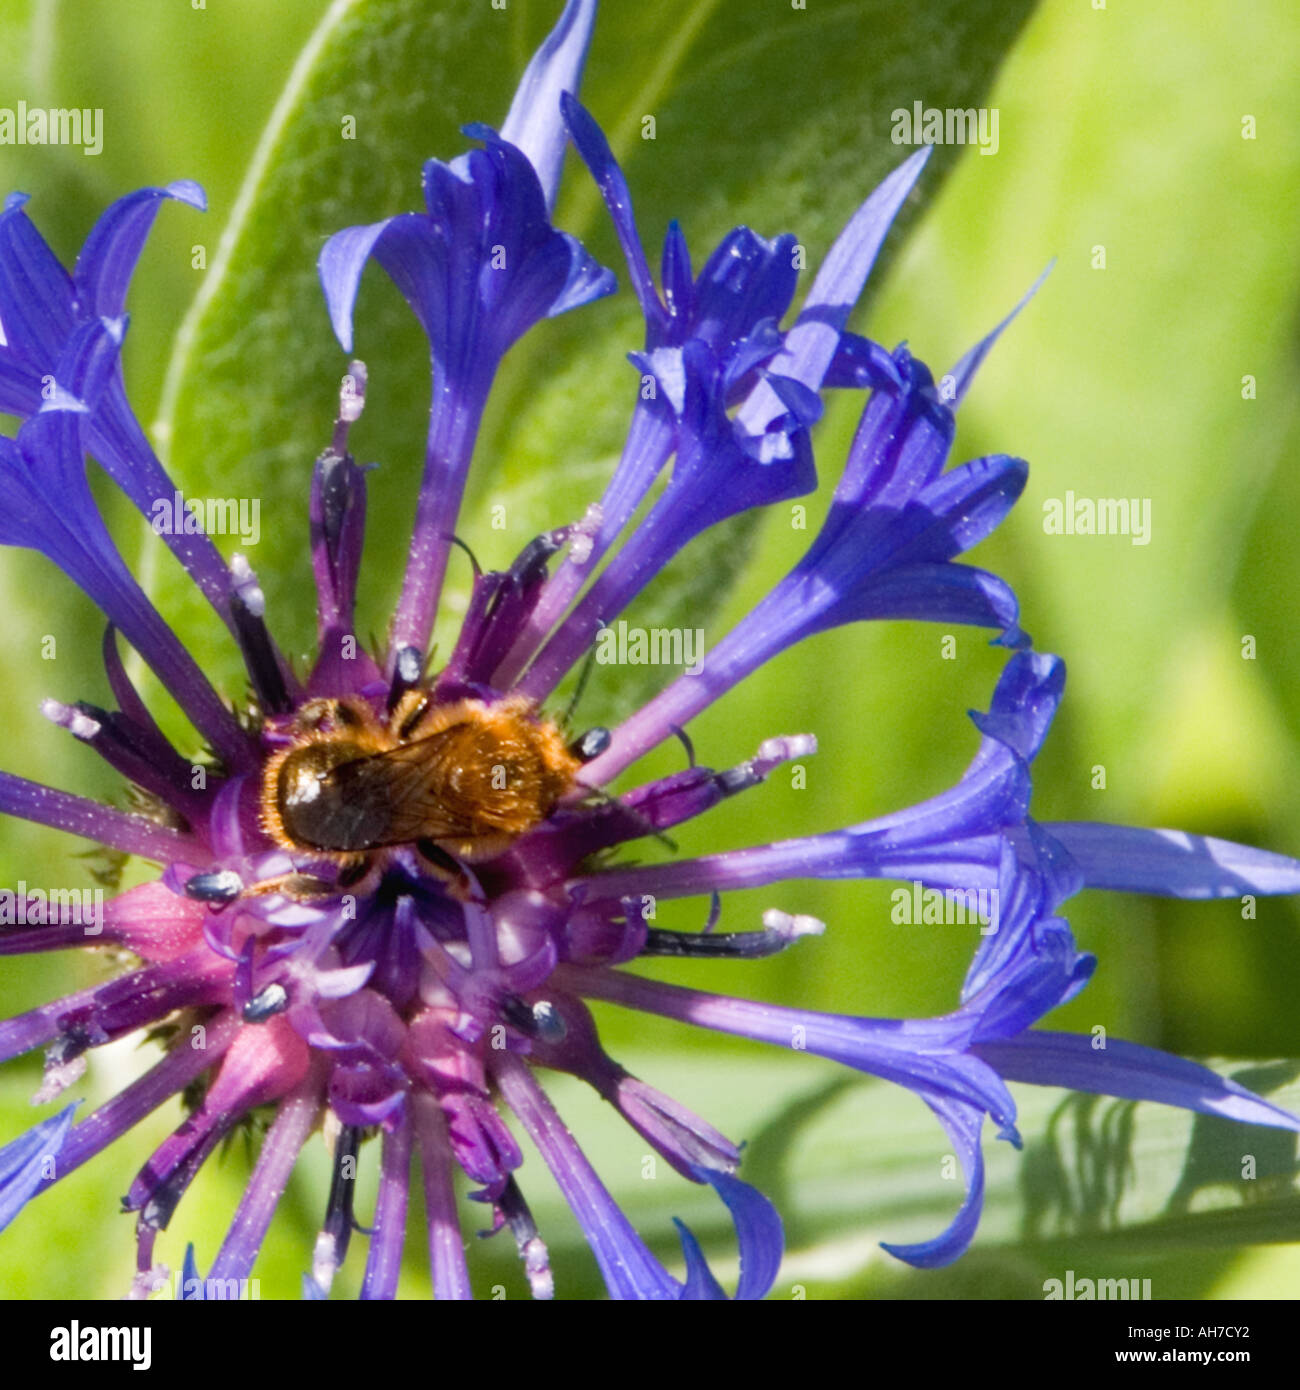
<point>412,781</point>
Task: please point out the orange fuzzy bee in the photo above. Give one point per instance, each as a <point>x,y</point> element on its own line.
<point>464,778</point>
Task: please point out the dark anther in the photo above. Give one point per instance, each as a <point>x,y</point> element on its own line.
<point>531,562</point>
<point>163,1201</point>
<point>259,658</point>
<point>339,1221</point>
<point>165,1193</point>
<point>541,1020</point>
<point>68,1046</point>
<point>218,887</point>
<point>274,999</point>
<point>513,1211</point>
<point>734,945</point>
<point>591,744</point>
<point>686,743</point>
<point>518,1217</point>
<point>407,669</point>
<point>518,1013</point>
<point>335,494</point>
<point>736,779</point>
<point>549,1021</point>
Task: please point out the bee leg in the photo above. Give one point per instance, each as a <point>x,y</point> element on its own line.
<point>293,885</point>
<point>408,712</point>
<point>306,887</point>
<point>461,879</point>
<point>599,794</point>
<point>352,873</point>
<point>315,713</point>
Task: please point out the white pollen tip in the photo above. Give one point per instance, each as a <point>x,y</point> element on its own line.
<point>79,725</point>
<point>537,1266</point>
<point>324,1261</point>
<point>247,586</point>
<point>58,1077</point>
<point>792,926</point>
<point>352,393</point>
<point>581,539</point>
<point>783,749</point>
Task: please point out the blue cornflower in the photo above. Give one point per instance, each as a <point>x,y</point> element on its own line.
<point>415,985</point>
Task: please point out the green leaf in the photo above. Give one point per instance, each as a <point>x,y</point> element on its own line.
<point>780,120</point>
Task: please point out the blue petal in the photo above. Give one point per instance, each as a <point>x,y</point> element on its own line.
<point>1025,702</point>
<point>107,260</point>
<point>1172,863</point>
<point>939,593</point>
<point>964,1124</point>
<point>192,1288</point>
<point>859,364</point>
<point>747,279</point>
<point>811,344</point>
<point>341,261</point>
<point>36,293</point>
<point>759,1234</point>
<point>599,159</point>
<point>1130,1071</point>
<point>700,1283</point>
<point>534,123</point>
<point>959,379</point>
<point>23,1162</point>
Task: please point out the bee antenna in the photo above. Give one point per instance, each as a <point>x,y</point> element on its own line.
<point>566,719</point>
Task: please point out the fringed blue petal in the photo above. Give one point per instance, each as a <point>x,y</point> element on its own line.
<point>31,1160</point>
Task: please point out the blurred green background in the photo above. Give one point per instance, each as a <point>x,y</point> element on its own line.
<point>1120,128</point>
